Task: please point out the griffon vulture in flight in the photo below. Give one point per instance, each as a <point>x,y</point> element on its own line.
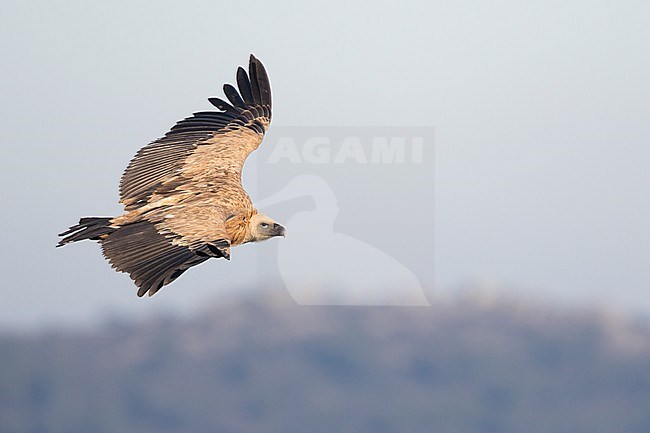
<point>182,194</point>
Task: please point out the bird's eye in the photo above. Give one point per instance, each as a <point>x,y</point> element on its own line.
<point>264,225</point>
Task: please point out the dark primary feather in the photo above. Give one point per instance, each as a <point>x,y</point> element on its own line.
<point>158,161</point>
<point>263,83</point>
<point>255,88</point>
<point>148,257</point>
<point>223,105</point>
<point>155,247</point>
<point>233,96</point>
<point>244,85</point>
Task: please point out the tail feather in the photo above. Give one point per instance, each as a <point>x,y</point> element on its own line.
<point>88,228</point>
<point>151,260</point>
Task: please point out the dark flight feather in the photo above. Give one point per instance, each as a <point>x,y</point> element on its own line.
<point>255,88</point>
<point>88,228</point>
<point>233,96</point>
<point>196,166</point>
<point>262,82</point>
<point>224,106</point>
<point>157,162</point>
<point>244,85</point>
<point>148,257</point>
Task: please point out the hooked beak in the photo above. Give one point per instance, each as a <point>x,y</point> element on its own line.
<point>279,230</point>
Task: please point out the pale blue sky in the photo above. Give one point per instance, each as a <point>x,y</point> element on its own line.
<point>540,110</point>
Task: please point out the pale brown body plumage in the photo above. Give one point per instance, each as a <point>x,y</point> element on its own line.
<point>182,193</point>
<point>204,199</point>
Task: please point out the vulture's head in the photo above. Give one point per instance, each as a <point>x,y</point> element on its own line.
<point>262,227</point>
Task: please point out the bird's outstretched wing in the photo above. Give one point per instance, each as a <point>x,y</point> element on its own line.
<point>205,149</point>
<point>180,190</point>
<point>150,259</point>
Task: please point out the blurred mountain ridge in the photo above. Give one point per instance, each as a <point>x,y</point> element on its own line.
<point>480,363</point>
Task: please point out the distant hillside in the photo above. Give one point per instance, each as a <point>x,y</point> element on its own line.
<point>271,366</point>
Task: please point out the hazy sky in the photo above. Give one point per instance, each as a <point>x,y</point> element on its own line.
<point>540,110</point>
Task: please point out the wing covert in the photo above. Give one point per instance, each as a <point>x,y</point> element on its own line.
<point>230,134</point>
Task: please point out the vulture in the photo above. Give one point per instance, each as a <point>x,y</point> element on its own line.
<point>182,194</point>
